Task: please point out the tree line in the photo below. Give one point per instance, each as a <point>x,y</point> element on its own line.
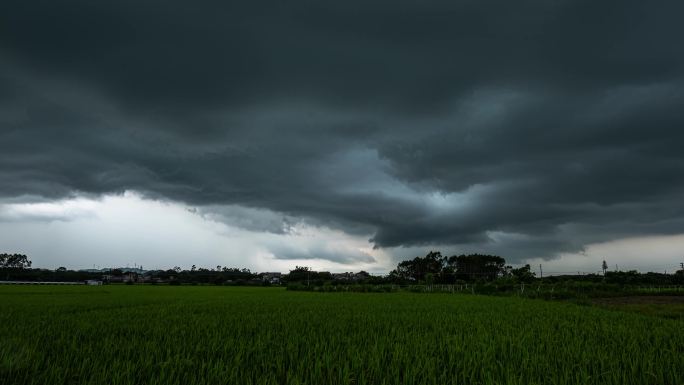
<point>433,268</point>
<point>436,268</point>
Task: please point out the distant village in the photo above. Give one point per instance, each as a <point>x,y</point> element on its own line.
<point>138,275</point>
<point>433,268</point>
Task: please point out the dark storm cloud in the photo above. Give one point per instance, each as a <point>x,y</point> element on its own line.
<point>537,126</point>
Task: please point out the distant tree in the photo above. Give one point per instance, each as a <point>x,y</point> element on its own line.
<point>523,274</point>
<point>629,277</point>
<point>477,266</point>
<point>679,276</point>
<point>447,270</point>
<point>429,278</point>
<point>604,266</point>
<point>61,269</point>
<point>417,268</point>
<point>14,261</point>
<point>300,273</point>
<point>177,269</point>
<point>193,268</point>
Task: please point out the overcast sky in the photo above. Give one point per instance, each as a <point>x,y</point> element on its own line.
<point>342,135</point>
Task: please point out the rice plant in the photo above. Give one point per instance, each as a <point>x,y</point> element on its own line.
<point>221,335</point>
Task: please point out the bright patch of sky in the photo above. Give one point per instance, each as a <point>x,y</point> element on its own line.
<point>128,230</point>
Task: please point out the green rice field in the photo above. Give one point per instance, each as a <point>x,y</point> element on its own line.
<point>232,335</point>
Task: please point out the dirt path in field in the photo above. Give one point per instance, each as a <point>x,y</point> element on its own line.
<point>642,300</point>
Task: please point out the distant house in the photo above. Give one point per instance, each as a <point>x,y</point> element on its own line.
<point>342,276</point>
<point>113,278</point>
<point>124,278</point>
<point>350,277</point>
<point>93,282</point>
<point>271,277</point>
<point>361,275</point>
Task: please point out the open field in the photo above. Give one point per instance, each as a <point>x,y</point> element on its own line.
<point>222,335</point>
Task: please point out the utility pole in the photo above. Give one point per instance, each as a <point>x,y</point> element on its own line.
<point>541,272</point>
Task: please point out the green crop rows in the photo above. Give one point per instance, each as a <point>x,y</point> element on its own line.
<point>219,335</point>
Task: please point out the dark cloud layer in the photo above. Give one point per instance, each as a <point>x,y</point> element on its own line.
<point>554,123</point>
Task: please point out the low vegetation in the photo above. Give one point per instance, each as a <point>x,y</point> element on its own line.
<point>120,334</point>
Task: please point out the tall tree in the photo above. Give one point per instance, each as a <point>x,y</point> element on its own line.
<point>417,269</point>
<point>14,261</point>
<point>523,274</point>
<point>477,266</point>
